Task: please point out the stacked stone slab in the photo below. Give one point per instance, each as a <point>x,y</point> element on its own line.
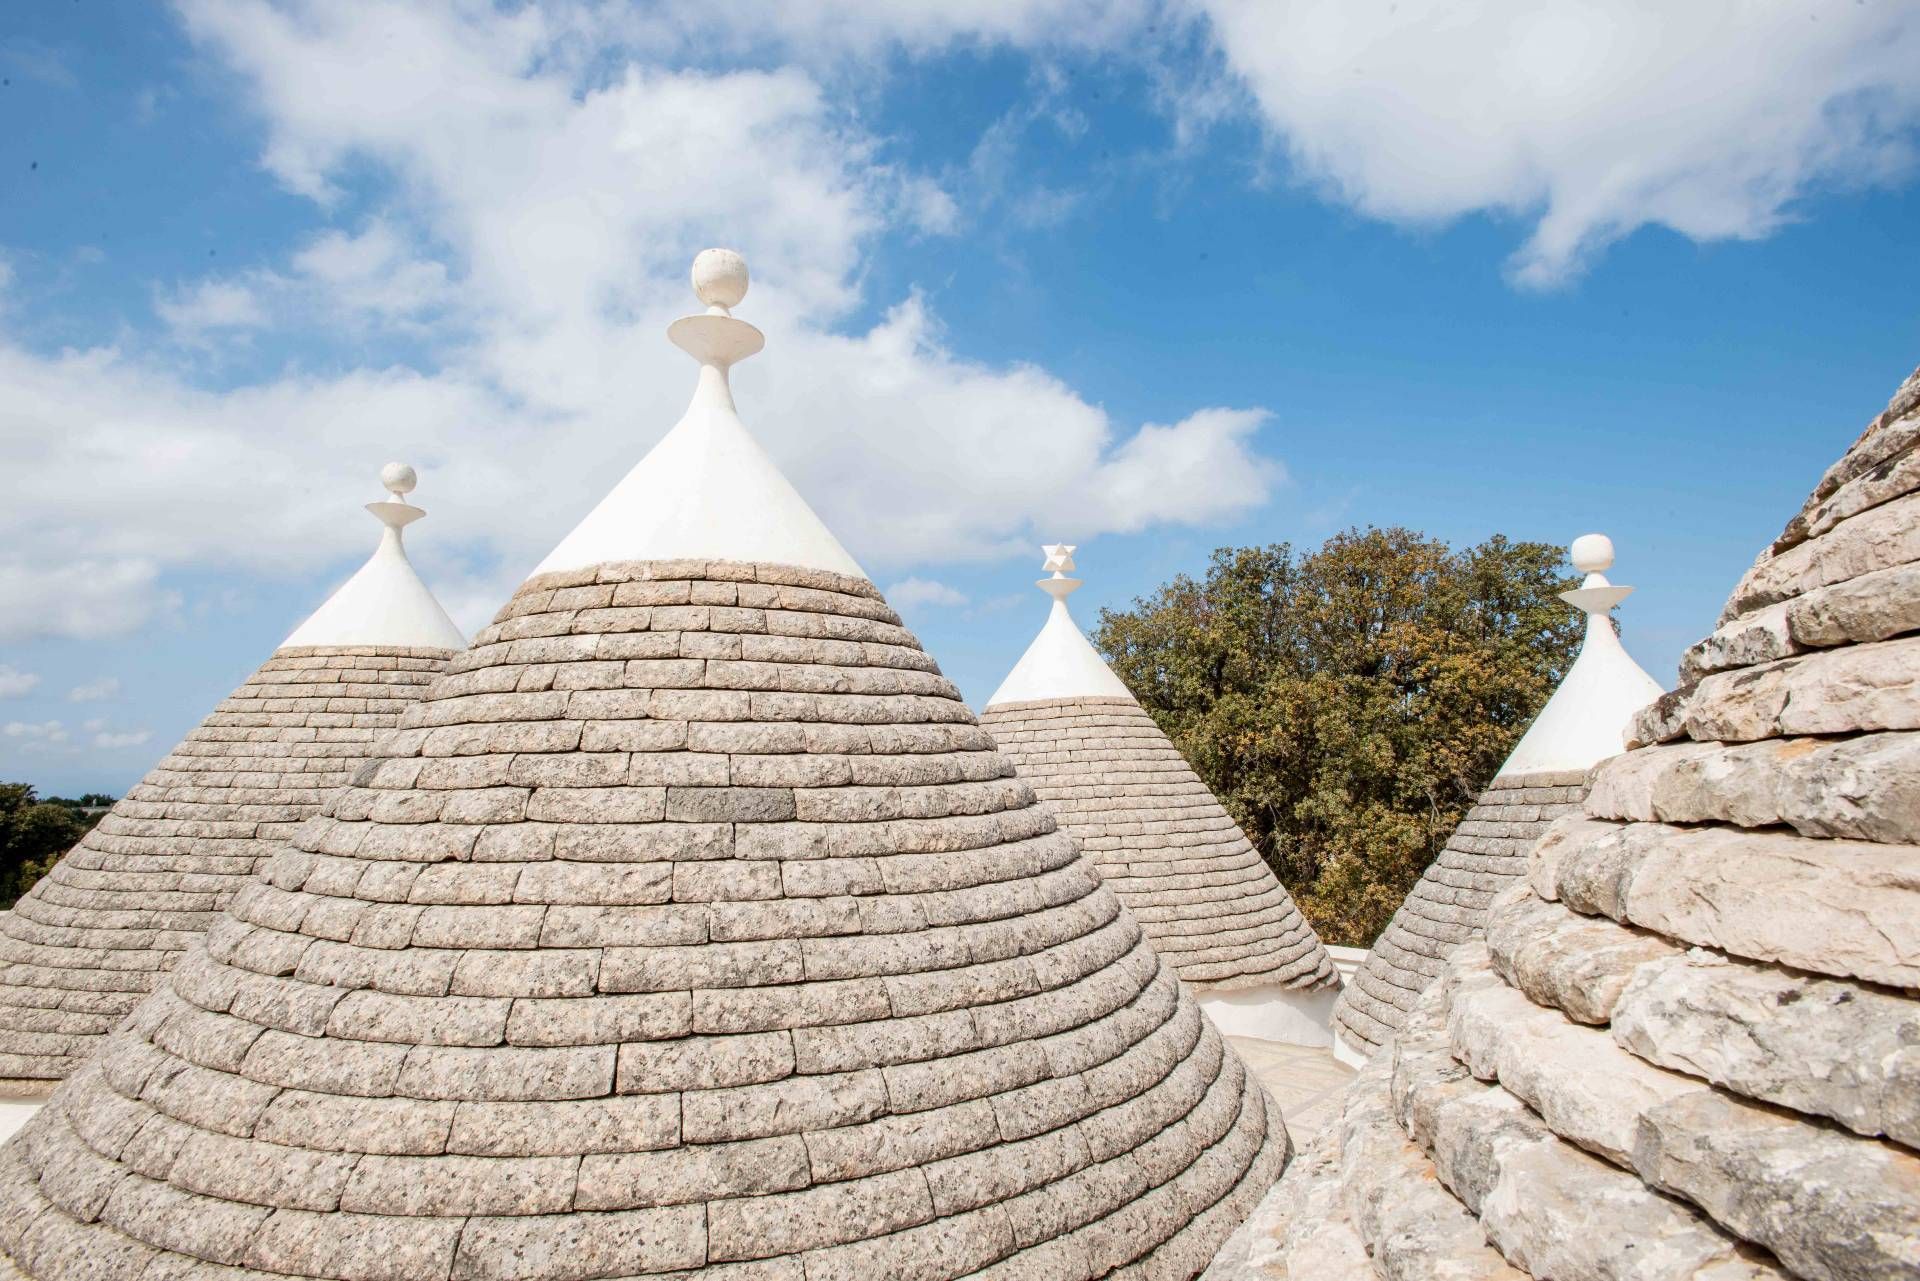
<point>1160,839</point>
<point>1687,1044</point>
<point>92,937</point>
<point>1448,906</point>
<point>690,924</point>
<point>97,932</point>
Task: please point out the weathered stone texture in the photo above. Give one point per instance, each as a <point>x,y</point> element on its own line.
<point>1448,906</point>
<point>1864,788</point>
<point>749,956</point>
<point>101,929</point>
<point>1825,1047</point>
<point>1209,903</point>
<point>1845,908</point>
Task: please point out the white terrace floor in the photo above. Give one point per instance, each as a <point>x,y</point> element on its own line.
<point>1304,1081</point>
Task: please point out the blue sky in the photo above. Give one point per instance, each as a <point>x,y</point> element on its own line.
<point>1148,277</point>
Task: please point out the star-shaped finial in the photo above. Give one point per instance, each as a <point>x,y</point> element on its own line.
<point>1059,557</point>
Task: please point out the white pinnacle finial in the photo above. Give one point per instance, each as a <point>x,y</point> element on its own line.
<point>1059,559</point>
<point>719,280</point>
<point>717,340</point>
<point>395,512</point>
<point>398,479</point>
<point>1585,720</point>
<point>1592,553</point>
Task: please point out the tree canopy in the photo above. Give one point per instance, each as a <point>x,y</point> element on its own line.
<point>34,833</point>
<point>1347,706</point>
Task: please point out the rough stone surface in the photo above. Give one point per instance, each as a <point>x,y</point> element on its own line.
<point>1585,1088</point>
<point>1825,1047</point>
<point>1448,906</point>
<point>1829,1205</point>
<point>1845,908</point>
<point>1864,788</point>
<point>101,929</point>
<point>689,921</point>
<point>1576,964</point>
<point>1552,1210</point>
<point>1208,902</point>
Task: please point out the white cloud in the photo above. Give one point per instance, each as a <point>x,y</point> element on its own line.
<point>47,592</point>
<point>36,736</point>
<point>14,682</point>
<point>912,592</point>
<point>95,691</point>
<point>374,272</point>
<point>1588,118</point>
<point>208,306</point>
<point>114,741</point>
<point>546,196</point>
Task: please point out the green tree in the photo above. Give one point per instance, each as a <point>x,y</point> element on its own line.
<point>1348,706</point>
<point>33,835</point>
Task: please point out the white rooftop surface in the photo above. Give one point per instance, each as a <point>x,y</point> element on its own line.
<point>384,603</point>
<point>707,491</point>
<point>1061,662</point>
<point>1586,719</point>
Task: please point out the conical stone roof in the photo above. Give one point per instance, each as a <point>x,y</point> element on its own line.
<point>1686,1047</point>
<point>689,924</point>
<point>92,937</point>
<point>1206,899</point>
<point>1542,779</point>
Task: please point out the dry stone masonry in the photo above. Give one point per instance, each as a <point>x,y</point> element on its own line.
<point>1689,1045</point>
<point>1204,896</point>
<point>97,933</point>
<point>690,924</point>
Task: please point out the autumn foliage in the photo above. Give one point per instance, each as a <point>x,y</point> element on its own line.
<point>1347,706</point>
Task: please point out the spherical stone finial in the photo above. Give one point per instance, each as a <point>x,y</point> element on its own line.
<point>398,478</point>
<point>1592,553</point>
<point>720,277</point>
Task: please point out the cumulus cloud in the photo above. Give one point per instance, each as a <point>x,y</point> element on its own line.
<point>45,591</point>
<point>912,592</point>
<point>209,306</point>
<point>1586,118</point>
<point>541,197</point>
<point>14,682</point>
<point>113,741</point>
<point>37,736</point>
<point>95,691</point>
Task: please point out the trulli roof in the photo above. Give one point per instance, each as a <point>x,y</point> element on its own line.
<point>689,924</point>
<point>1161,840</point>
<point>94,935</point>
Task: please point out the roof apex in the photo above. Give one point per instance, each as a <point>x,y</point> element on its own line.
<point>1586,720</point>
<point>385,602</point>
<point>1061,662</point>
<point>707,491</point>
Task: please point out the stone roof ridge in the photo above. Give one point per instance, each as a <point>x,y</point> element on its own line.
<point>385,603</point>
<point>1587,718</point>
<point>707,491</point>
<point>1061,662</point>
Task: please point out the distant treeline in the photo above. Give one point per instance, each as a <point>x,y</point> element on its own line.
<point>36,831</point>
